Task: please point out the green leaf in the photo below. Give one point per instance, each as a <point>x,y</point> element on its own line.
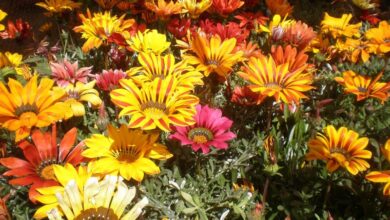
<point>188,198</point>
<point>190,210</point>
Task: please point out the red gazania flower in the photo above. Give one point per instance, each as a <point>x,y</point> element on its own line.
<point>179,27</point>
<point>41,155</point>
<point>250,20</point>
<point>244,96</point>
<point>371,18</point>
<point>225,31</point>
<point>109,79</point>
<point>19,30</point>
<point>299,35</point>
<point>65,73</point>
<point>210,129</point>
<point>225,7</point>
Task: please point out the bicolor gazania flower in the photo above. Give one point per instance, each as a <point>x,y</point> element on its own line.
<point>386,150</point>
<point>340,148</point>
<point>102,199</point>
<point>41,156</point>
<point>125,151</point>
<point>159,66</point>
<point>290,56</point>
<point>148,42</point>
<point>58,6</point>
<point>364,87</point>
<point>97,29</point>
<point>109,79</point>
<point>338,27</point>
<point>269,79</point>
<point>158,104</point>
<point>65,73</point>
<point>163,9</point>
<point>194,7</point>
<point>381,177</point>
<point>210,129</point>
<point>33,105</point>
<point>213,55</point>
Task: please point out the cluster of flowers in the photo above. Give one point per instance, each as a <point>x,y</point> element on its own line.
<point>158,94</point>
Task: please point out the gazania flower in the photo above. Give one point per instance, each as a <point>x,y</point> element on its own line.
<point>125,151</point>
<point>157,66</point>
<point>65,73</point>
<point>178,27</point>
<point>338,27</point>
<point>299,35</point>
<point>290,56</point>
<point>99,27</point>
<point>386,150</point>
<point>107,4</point>
<point>364,87</point>
<point>41,155</point>
<point>269,79</point>
<point>248,49</point>
<point>280,7</point>
<point>104,199</point>
<point>225,31</point>
<point>250,20</point>
<point>22,108</point>
<point>244,96</point>
<point>195,8</point>
<point>19,30</point>
<point>80,93</point>
<point>357,49</point>
<point>379,38</point>
<point>364,4</point>
<point>213,55</point>
<point>58,6</point>
<point>372,18</point>
<point>157,104</point>
<point>109,79</point>
<point>63,174</point>
<point>226,7</point>
<point>2,16</point>
<point>381,177</point>
<point>210,129</point>
<point>164,9</point>
<point>276,27</point>
<point>8,59</point>
<point>149,42</point>
<point>340,147</point>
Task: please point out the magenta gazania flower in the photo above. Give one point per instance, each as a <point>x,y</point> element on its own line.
<point>210,129</point>
<point>65,73</point>
<point>109,79</point>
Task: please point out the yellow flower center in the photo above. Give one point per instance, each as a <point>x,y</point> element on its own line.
<point>272,85</point>
<point>154,110</point>
<point>100,213</point>
<point>340,155</point>
<point>128,153</point>
<point>26,108</point>
<point>200,135</point>
<point>45,169</point>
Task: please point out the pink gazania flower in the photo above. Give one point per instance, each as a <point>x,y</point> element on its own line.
<point>109,79</point>
<point>210,129</point>
<point>65,73</point>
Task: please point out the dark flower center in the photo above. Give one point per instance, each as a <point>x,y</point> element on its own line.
<point>128,153</point>
<point>26,108</point>
<point>200,135</point>
<point>154,110</point>
<point>45,169</point>
<point>73,94</point>
<point>362,89</point>
<point>100,213</point>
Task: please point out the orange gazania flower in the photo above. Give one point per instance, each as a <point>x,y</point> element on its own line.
<point>386,150</point>
<point>281,7</point>
<point>41,155</point>
<point>299,35</point>
<point>381,177</point>
<point>213,55</point>
<point>290,56</point>
<point>270,79</point>
<point>22,108</point>
<point>379,38</point>
<point>340,147</point>
<point>164,9</point>
<point>58,6</point>
<point>338,27</point>
<point>364,87</point>
<point>107,4</point>
<point>226,7</point>
<point>17,30</point>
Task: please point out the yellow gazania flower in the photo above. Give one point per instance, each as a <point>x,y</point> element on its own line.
<point>359,50</point>
<point>2,16</point>
<point>195,8</point>
<point>213,55</point>
<point>153,66</point>
<point>23,108</point>
<point>381,177</point>
<point>338,27</point>
<point>14,60</point>
<point>99,27</point>
<point>163,9</point>
<point>269,79</point>
<point>78,93</point>
<point>340,147</point>
<point>149,42</point>
<point>159,103</point>
<point>364,87</point>
<point>125,151</point>
<point>386,150</point>
<point>58,6</point>
<point>276,25</point>
<point>63,175</point>
<point>364,4</point>
<point>379,38</point>
<point>107,199</point>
